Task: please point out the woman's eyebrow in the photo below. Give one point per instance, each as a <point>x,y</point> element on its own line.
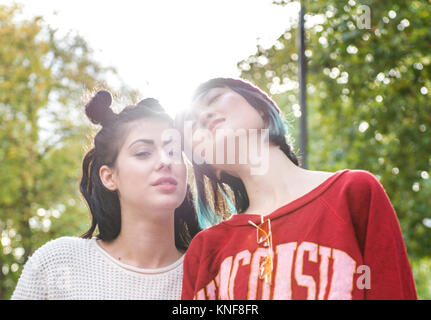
<point>210,94</point>
<point>167,142</point>
<point>206,95</point>
<point>204,98</point>
<point>146,141</point>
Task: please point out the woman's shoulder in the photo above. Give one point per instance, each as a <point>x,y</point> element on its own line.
<point>65,242</point>
<point>355,184</point>
<point>49,264</point>
<point>358,186</point>
<point>356,175</point>
<point>361,174</point>
<point>60,249</point>
<point>362,178</point>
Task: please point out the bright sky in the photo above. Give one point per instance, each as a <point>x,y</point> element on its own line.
<point>165,48</point>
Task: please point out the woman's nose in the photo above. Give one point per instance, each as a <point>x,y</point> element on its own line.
<point>165,160</point>
<point>206,117</point>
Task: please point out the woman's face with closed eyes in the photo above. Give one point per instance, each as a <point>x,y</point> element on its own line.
<point>219,114</point>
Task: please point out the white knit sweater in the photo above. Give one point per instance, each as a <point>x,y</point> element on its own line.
<point>76,268</point>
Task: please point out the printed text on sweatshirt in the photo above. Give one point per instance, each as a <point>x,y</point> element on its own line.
<point>341,240</point>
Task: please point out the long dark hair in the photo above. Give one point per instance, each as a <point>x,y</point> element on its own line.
<point>105,204</point>
<point>219,196</point>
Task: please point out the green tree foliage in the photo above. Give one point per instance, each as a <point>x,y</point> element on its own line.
<point>42,137</point>
<point>369,106</point>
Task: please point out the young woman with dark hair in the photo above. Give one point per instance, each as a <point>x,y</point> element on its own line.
<point>140,205</point>
<point>292,233</point>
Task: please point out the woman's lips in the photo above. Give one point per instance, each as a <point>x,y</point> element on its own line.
<point>165,184</point>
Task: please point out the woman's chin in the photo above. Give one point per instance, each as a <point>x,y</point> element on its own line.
<point>166,203</point>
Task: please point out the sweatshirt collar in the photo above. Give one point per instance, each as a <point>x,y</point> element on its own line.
<point>242,218</point>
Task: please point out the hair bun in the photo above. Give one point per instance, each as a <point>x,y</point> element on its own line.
<point>98,109</point>
<point>151,103</point>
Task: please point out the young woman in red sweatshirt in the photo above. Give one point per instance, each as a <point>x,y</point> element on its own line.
<point>292,233</point>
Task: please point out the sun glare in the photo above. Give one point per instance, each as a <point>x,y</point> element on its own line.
<point>166,48</point>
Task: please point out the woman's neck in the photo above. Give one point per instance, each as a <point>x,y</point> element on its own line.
<point>275,187</point>
<point>145,240</point>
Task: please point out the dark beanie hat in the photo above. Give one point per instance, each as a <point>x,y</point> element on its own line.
<point>234,84</point>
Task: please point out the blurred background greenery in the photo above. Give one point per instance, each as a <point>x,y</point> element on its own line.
<point>43,136</point>
<point>368,108</point>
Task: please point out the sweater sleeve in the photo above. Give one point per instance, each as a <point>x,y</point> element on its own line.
<point>384,250</point>
<point>32,282</point>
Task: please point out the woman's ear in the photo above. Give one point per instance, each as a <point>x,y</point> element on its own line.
<point>108,178</point>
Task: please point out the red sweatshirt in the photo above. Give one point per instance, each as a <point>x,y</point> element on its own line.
<point>341,240</point>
